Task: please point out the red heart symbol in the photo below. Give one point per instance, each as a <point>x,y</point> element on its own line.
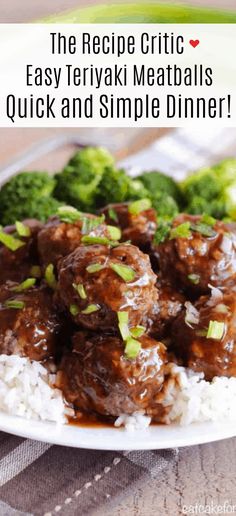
<point>194,42</point>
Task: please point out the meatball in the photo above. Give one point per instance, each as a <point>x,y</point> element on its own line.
<point>206,255</point>
<point>138,228</point>
<point>97,281</point>
<point>16,265</point>
<point>204,335</point>
<point>58,239</point>
<point>170,305</point>
<point>96,375</point>
<point>29,325</point>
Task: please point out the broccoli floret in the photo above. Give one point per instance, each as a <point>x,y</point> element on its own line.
<point>198,206</point>
<point>114,187</point>
<point>77,183</point>
<point>225,172</point>
<point>137,190</point>
<point>26,186</point>
<point>40,209</point>
<point>158,182</point>
<point>202,184</point>
<point>165,206</point>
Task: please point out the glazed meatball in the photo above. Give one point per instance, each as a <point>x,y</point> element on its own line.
<point>29,325</point>
<point>139,228</point>
<point>95,282</point>
<point>96,376</point>
<point>202,343</point>
<point>16,265</point>
<point>170,304</point>
<point>58,239</point>
<point>206,256</point>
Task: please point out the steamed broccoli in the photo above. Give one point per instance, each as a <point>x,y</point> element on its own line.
<point>212,190</point>
<point>77,183</point>
<point>157,182</point>
<point>20,190</point>
<point>114,187</point>
<point>165,206</point>
<point>40,209</point>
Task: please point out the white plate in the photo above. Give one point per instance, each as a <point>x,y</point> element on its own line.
<point>107,438</point>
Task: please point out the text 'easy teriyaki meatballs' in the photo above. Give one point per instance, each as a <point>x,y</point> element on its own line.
<point>98,377</point>
<point>97,281</point>
<point>198,251</point>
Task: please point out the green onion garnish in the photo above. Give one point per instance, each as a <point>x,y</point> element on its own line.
<point>94,267</point>
<point>22,229</point>
<point>194,278</point>
<point>68,214</point>
<point>25,285</point>
<point>74,310</point>
<point>114,232</point>
<point>112,214</point>
<point>92,240</point>
<point>215,330</point>
<point>123,324</point>
<point>137,331</point>
<point>208,219</point>
<point>35,271</point>
<point>80,290</point>
<point>203,229</point>
<point>50,277</point>
<point>14,303</point>
<point>89,224</point>
<point>137,207</point>
<point>181,231</point>
<point>132,348</point>
<point>124,271</point>
<point>90,309</point>
<point>162,232</point>
<point>10,242</point>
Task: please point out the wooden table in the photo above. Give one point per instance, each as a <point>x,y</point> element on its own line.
<point>202,474</point>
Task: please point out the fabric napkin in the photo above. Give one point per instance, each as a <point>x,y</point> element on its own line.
<point>40,479</point>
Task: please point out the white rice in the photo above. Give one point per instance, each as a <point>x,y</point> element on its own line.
<point>191,400</point>
<point>26,390</point>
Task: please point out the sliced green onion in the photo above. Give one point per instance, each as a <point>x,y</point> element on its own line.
<point>68,214</point>
<point>92,240</point>
<point>80,290</point>
<point>35,271</point>
<point>114,232</point>
<point>221,308</point>
<point>74,310</point>
<point>215,330</point>
<point>22,229</point>
<point>124,271</point>
<point>208,219</point>
<point>90,309</point>
<point>203,229</point>
<point>194,278</point>
<point>50,277</point>
<point>10,242</point>
<point>25,285</point>
<point>89,224</point>
<point>14,303</point>
<point>123,324</point>
<point>162,232</point>
<point>181,231</point>
<point>112,214</point>
<point>137,207</point>
<point>94,267</point>
<point>137,331</point>
<point>132,348</point>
